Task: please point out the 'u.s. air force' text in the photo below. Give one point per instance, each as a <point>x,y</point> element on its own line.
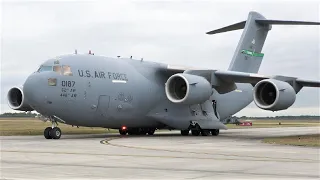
<point>102,75</point>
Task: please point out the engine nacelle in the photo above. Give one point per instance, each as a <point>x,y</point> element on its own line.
<point>188,89</point>
<point>274,95</point>
<point>16,100</point>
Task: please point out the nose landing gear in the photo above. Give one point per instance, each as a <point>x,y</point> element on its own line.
<point>52,132</point>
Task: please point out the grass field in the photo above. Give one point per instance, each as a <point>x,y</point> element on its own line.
<point>275,124</point>
<point>33,126</point>
<point>305,140</point>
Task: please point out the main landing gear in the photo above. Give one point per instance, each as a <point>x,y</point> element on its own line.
<point>203,132</point>
<point>52,132</point>
<point>136,131</point>
<point>196,130</point>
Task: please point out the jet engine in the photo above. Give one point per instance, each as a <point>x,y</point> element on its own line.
<point>16,100</point>
<point>274,95</point>
<point>187,89</point>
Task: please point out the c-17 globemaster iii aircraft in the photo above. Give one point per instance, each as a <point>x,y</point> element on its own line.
<point>138,97</point>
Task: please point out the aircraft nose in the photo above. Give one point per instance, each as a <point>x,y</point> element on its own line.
<point>32,88</point>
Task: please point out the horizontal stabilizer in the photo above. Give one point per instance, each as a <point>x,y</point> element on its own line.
<point>248,54</point>
<point>279,22</point>
<point>308,83</point>
<point>232,27</point>
<point>242,24</point>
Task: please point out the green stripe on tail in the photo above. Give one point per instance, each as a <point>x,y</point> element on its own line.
<point>251,53</point>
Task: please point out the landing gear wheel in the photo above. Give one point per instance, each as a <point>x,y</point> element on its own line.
<point>151,131</point>
<point>55,133</point>
<point>134,131</point>
<point>142,131</point>
<point>123,132</point>
<point>46,133</point>
<point>185,132</point>
<point>195,132</point>
<point>205,132</point>
<point>215,132</point>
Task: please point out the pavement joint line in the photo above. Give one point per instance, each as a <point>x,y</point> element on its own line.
<point>155,156</point>
<point>107,142</point>
<point>237,172</point>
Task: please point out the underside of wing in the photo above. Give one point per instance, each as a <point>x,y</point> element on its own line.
<point>239,77</point>
<point>193,86</point>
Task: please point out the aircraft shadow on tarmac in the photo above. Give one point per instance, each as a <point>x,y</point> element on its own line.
<point>224,135</point>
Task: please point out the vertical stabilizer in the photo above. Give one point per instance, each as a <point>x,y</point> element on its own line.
<point>248,55</point>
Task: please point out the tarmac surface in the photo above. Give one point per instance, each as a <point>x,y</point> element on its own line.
<point>234,154</point>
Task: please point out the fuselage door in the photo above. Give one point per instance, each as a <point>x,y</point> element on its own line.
<point>214,106</point>
<point>103,106</point>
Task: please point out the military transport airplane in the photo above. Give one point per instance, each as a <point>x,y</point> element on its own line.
<point>138,97</point>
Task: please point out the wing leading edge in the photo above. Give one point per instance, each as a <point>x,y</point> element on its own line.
<point>241,77</point>
<point>224,81</point>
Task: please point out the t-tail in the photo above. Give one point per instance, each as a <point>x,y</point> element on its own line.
<point>248,55</point>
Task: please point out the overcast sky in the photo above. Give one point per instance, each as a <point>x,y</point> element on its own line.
<point>163,31</point>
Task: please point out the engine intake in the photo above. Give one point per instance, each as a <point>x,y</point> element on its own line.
<point>188,89</point>
<point>274,95</point>
<point>16,100</point>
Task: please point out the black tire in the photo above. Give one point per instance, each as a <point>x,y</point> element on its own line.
<point>123,132</point>
<point>142,131</point>
<point>185,132</point>
<point>205,132</point>
<point>134,131</point>
<point>195,132</point>
<point>55,133</point>
<point>151,131</point>
<point>215,132</point>
<point>46,133</point>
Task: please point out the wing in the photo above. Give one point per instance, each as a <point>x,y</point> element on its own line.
<point>224,81</point>
<point>308,83</point>
<point>240,77</point>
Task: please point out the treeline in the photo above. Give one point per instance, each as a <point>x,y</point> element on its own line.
<point>302,117</point>
<point>22,114</point>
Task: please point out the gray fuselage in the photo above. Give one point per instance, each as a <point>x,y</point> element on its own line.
<point>111,93</point>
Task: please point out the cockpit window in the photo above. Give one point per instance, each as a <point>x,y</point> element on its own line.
<point>57,69</point>
<point>45,68</point>
<point>67,71</point>
<point>62,70</point>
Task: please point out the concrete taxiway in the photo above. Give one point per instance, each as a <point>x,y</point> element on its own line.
<point>234,154</point>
